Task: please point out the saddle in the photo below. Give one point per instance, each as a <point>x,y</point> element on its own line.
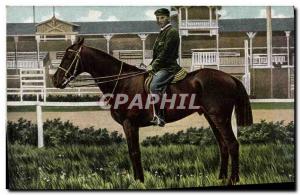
<point>180,75</point>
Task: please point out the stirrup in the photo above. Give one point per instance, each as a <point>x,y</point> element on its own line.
<point>158,121</point>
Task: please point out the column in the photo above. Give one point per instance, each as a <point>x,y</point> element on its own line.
<point>180,36</point>
<point>180,49</point>
<point>217,39</point>
<point>186,17</point>
<point>251,35</point>
<point>16,39</point>
<point>179,18</point>
<point>269,36</point>
<point>108,37</point>
<point>143,38</point>
<point>269,46</point>
<point>38,40</point>
<point>210,15</point>
<point>217,17</point>
<point>218,54</point>
<point>287,34</point>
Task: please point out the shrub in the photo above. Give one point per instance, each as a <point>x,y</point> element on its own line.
<point>57,133</point>
<point>267,132</point>
<point>259,133</point>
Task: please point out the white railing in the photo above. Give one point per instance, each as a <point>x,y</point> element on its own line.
<point>25,55</point>
<point>33,81</point>
<point>262,59</point>
<point>194,24</point>
<point>25,60</point>
<point>201,59</point>
<point>24,64</point>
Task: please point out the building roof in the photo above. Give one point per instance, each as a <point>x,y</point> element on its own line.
<point>118,27</point>
<point>130,27</point>
<point>20,29</point>
<point>256,25</point>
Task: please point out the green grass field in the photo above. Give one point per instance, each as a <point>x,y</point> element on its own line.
<point>95,108</point>
<point>173,166</point>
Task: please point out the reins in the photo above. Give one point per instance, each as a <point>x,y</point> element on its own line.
<point>126,76</point>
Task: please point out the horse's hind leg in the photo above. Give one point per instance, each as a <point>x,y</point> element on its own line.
<point>223,124</point>
<point>223,149</point>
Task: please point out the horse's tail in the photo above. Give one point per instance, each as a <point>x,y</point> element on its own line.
<point>242,105</point>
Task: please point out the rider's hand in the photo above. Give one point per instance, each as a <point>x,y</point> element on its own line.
<point>149,68</point>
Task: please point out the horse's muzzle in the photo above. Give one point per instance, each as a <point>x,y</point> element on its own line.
<point>57,84</point>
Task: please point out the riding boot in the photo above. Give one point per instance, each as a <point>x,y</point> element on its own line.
<point>159,115</point>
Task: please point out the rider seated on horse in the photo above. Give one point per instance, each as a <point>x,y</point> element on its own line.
<point>164,64</point>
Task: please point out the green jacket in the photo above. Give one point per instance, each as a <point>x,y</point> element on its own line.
<point>165,51</point>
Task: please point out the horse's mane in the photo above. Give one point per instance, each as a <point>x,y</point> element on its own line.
<point>113,59</point>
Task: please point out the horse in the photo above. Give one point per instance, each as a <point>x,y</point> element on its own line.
<point>218,94</point>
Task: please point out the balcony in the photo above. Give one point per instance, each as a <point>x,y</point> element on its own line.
<point>198,24</point>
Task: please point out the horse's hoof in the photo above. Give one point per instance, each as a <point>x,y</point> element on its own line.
<point>233,180</point>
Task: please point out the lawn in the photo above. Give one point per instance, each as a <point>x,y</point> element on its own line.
<point>171,166</point>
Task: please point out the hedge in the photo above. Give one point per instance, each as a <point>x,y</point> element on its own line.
<point>258,133</point>
<point>57,133</point>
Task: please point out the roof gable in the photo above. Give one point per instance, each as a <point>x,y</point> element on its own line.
<point>55,26</point>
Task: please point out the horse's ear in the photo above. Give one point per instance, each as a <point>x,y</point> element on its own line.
<point>80,41</point>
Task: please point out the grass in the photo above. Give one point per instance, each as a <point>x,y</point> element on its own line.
<point>96,108</point>
<point>173,166</point>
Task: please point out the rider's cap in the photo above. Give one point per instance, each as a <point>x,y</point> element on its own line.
<point>162,12</point>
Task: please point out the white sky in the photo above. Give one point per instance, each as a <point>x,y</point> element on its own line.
<point>24,14</point>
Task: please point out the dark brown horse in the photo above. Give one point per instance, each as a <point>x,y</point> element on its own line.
<point>217,93</point>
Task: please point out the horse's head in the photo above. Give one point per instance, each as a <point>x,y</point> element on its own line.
<point>70,65</point>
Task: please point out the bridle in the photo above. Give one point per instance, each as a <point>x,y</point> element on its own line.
<point>74,61</point>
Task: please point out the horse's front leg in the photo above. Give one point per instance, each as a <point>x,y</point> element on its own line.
<point>132,136</point>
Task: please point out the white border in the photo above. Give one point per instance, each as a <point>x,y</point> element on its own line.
<point>4,3</point>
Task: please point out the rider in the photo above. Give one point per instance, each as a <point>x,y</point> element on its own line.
<point>164,64</point>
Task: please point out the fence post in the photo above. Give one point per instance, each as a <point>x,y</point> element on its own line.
<point>40,125</point>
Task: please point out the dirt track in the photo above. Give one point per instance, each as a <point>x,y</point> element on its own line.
<point>102,119</point>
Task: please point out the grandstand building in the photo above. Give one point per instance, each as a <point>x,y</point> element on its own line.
<point>235,46</point>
